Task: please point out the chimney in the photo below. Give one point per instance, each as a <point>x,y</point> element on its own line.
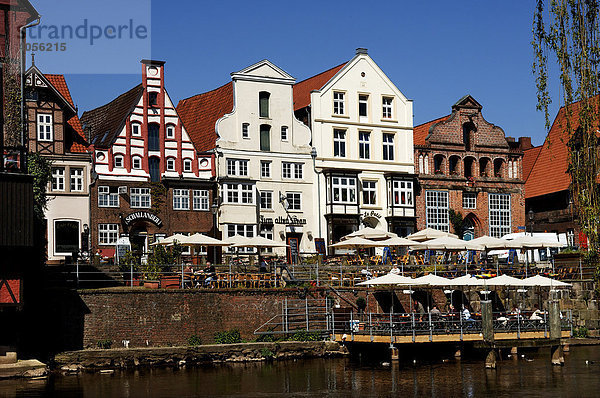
<point>361,50</point>
<point>525,143</point>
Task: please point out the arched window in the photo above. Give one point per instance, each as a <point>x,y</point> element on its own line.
<point>439,164</point>
<point>265,137</point>
<point>153,137</point>
<point>454,165</point>
<point>170,164</point>
<point>426,164</point>
<point>468,129</point>
<point>187,165</point>
<point>484,167</point>
<point>499,167</point>
<point>263,103</point>
<point>136,162</point>
<point>154,168</point>
<point>118,159</point>
<point>469,164</point>
<point>170,131</point>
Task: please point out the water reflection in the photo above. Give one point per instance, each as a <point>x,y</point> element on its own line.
<point>531,376</point>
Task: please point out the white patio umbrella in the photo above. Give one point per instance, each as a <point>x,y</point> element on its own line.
<point>543,281</point>
<point>235,239</point>
<point>393,280</point>
<point>464,280</point>
<point>401,242</point>
<point>198,239</point>
<point>429,233</point>
<point>450,243</point>
<point>358,242</point>
<point>530,242</point>
<point>489,242</point>
<point>370,233</point>
<point>259,242</point>
<point>434,280</point>
<point>169,240</point>
<point>504,280</point>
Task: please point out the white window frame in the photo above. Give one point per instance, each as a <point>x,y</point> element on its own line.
<point>107,198</point>
<point>135,159</point>
<point>133,130</point>
<point>181,199</point>
<point>266,200</point>
<point>469,200</point>
<point>364,145</point>
<point>436,210</point>
<point>140,198</point>
<point>345,186</point>
<point>237,167</point>
<point>369,190</point>
<point>76,179</point>
<point>294,201</point>
<point>364,102</point>
<point>402,193</point>
<point>187,165</point>
<point>339,143</point>
<point>246,130</point>
<point>119,161</point>
<point>200,200</point>
<point>170,131</point>
<point>388,147</point>
<point>238,193</point>
<point>108,234</point>
<point>499,211</point>
<point>284,133</point>
<point>170,165</point>
<point>247,230</point>
<point>387,108</point>
<point>339,103</point>
<point>58,179</point>
<point>291,171</point>
<point>265,169</point>
<point>45,127</point>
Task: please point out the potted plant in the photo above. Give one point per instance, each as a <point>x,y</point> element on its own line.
<point>128,263</point>
<point>159,262</point>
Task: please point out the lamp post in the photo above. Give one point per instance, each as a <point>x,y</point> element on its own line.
<point>531,221</point>
<point>214,208</point>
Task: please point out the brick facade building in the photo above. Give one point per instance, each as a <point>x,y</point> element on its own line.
<point>466,164</point>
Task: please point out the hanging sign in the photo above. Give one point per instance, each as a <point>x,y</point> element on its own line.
<point>143,215</point>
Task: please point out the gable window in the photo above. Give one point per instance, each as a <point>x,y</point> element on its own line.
<point>469,200</point>
<point>369,190</point>
<point>181,199</point>
<point>140,197</point>
<point>170,131</point>
<point>499,214</point>
<point>436,205</point>
<point>108,197</point>
<point>344,189</point>
<point>245,132</point>
<point>200,199</point>
<point>265,137</point>
<point>263,103</point>
<point>153,137</point>
<point>265,169</point>
<point>402,192</point>
<point>363,105</point>
<point>187,165</point>
<point>76,179</point>
<point>294,200</point>
<point>386,107</point>
<point>152,98</point>
<point>136,130</point>
<point>170,164</point>
<point>284,133</point>
<point>291,170</point>
<point>339,143</point>
<point>44,127</point>
<point>237,167</point>
<point>266,200</point>
<point>364,147</point>
<point>108,234</point>
<point>136,162</point>
<point>388,146</point>
<point>58,179</point>
<point>154,168</point>
<point>338,103</point>
<point>118,161</point>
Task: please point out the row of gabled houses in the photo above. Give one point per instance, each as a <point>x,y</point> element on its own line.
<point>299,162</point>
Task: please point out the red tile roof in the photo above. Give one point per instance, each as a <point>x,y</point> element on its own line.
<point>529,157</point>
<point>421,131</point>
<point>549,172</point>
<point>302,89</point>
<point>200,113</point>
<point>59,83</point>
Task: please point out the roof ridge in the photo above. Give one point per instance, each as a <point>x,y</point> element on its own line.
<point>206,92</point>
<point>321,73</point>
<point>113,100</point>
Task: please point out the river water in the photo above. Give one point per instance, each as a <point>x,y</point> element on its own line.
<point>528,376</point>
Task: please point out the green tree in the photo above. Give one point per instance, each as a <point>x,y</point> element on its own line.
<point>567,31</point>
<point>41,170</point>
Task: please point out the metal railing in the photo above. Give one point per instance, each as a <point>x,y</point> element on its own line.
<point>299,315</point>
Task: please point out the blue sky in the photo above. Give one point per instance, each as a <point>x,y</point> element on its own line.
<point>434,51</point>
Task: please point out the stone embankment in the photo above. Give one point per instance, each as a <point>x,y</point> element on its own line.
<point>98,359</point>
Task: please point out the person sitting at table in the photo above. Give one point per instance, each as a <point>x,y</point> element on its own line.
<point>264,266</point>
<point>466,315</point>
<point>515,311</point>
<point>366,273</point>
<point>535,316</point>
<point>435,313</point>
<point>395,270</point>
<point>210,273</point>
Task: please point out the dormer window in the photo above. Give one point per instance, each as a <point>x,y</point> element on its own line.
<point>170,164</point>
<point>119,161</point>
<point>136,130</point>
<point>44,127</point>
<point>187,165</point>
<point>153,98</point>
<point>170,131</point>
<point>263,98</point>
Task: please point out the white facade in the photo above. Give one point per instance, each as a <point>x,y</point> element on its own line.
<point>263,152</point>
<point>362,131</point>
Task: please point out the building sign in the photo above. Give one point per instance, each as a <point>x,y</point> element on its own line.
<point>320,246</point>
<point>292,252</point>
<point>143,215</point>
<point>290,220</point>
<point>266,220</point>
<point>368,214</point>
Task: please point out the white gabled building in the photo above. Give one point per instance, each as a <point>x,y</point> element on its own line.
<point>263,161</point>
<point>362,130</point>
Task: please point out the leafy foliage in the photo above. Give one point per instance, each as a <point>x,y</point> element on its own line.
<point>127,261</point>
<point>160,260</point>
<point>267,354</point>
<point>303,335</point>
<point>104,344</point>
<point>228,337</point>
<point>12,105</point>
<point>580,332</point>
<point>41,170</point>
<point>194,340</point>
<point>457,221</point>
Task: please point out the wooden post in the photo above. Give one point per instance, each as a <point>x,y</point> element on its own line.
<point>490,359</point>
<point>554,316</point>
<point>395,355</point>
<point>487,321</point>
<point>557,358</point>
